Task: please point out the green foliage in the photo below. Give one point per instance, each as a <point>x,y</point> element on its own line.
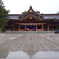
<point>38,11</point>
<point>41,13</point>
<point>3,15</point>
<point>3,29</point>
<point>23,12</point>
<point>57,28</point>
<point>58,12</point>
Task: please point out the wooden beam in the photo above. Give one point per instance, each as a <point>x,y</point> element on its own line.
<point>31,23</point>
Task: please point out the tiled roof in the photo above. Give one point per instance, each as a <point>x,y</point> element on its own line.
<point>50,16</point>
<point>32,13</point>
<point>45,16</point>
<point>13,17</point>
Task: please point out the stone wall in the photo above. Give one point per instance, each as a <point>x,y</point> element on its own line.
<point>0,30</point>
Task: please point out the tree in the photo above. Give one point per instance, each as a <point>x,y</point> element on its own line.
<point>38,11</point>
<point>23,12</point>
<point>41,13</point>
<point>57,28</point>
<point>3,15</point>
<point>58,12</point>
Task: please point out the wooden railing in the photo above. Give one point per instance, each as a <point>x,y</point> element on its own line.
<point>38,29</point>
<point>22,29</point>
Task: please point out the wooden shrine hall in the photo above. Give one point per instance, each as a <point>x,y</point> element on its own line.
<point>32,21</point>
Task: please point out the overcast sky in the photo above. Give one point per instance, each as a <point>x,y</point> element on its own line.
<point>44,6</point>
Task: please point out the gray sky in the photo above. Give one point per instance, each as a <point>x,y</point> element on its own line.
<point>44,6</point>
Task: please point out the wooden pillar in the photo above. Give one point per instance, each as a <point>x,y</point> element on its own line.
<point>36,27</point>
<point>48,27</point>
<point>13,27</point>
<point>51,27</point>
<point>42,27</point>
<point>25,27</point>
<point>19,27</point>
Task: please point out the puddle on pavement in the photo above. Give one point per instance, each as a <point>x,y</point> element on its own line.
<point>40,54</point>
<point>17,55</point>
<point>28,46</point>
<point>46,54</point>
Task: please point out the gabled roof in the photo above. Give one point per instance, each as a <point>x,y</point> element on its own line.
<point>30,13</point>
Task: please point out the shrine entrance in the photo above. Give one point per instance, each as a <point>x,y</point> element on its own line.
<point>30,21</point>
<point>30,27</point>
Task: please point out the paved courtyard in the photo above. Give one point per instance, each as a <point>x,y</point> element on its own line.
<point>30,44</point>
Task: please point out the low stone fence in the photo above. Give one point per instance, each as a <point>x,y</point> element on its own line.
<point>28,32</point>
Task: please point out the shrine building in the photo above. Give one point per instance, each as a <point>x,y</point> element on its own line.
<point>32,21</point>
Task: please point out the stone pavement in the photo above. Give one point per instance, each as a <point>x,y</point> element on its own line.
<point>29,44</point>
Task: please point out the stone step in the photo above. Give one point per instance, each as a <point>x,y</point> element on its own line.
<point>28,32</point>
<point>32,58</point>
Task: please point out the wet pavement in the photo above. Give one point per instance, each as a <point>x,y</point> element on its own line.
<point>29,44</point>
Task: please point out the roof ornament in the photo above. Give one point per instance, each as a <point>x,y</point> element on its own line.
<point>30,17</point>
<point>22,16</point>
<point>20,19</point>
<point>40,19</point>
<point>30,7</point>
<point>30,10</point>
<point>38,16</point>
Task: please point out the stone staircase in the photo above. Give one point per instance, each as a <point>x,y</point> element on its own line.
<point>29,32</point>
